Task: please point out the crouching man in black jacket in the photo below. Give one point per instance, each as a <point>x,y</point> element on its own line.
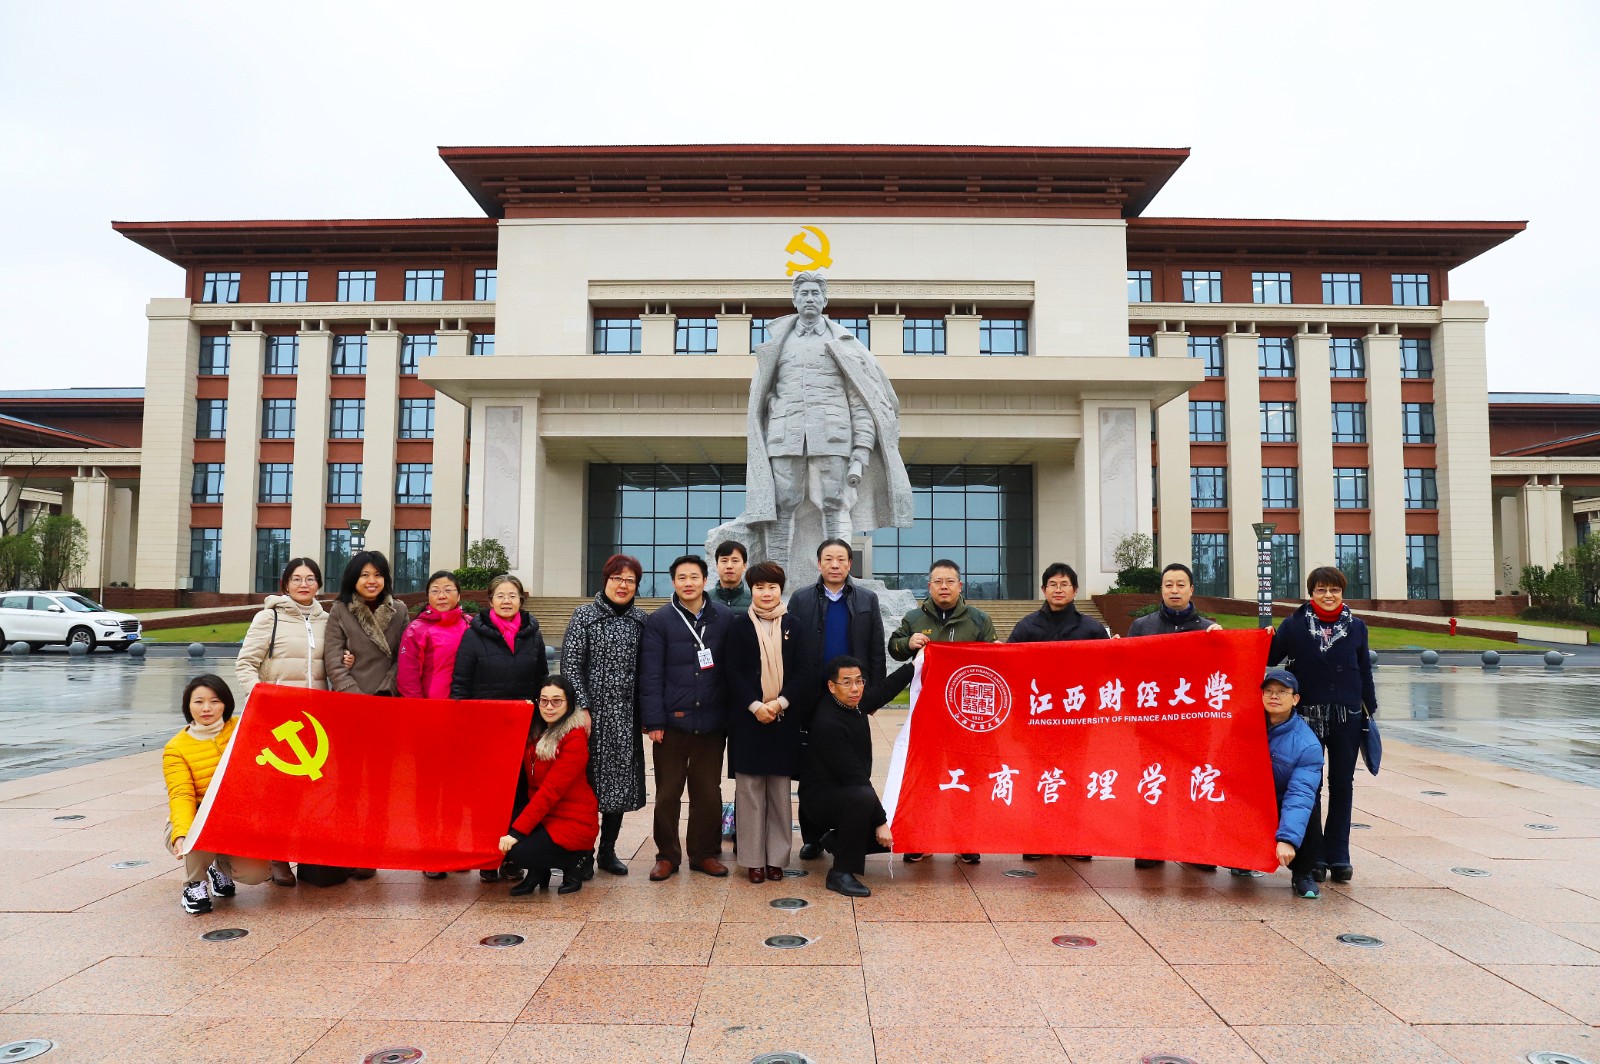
<point>836,779</point>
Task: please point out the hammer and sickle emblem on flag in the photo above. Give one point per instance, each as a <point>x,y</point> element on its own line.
<point>817,258</point>
<point>305,763</point>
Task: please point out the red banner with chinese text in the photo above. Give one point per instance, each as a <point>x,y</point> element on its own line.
<point>1152,747</point>
<point>364,782</point>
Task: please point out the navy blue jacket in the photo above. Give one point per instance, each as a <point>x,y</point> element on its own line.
<point>674,691</point>
<point>1045,625</point>
<point>1296,775</point>
<point>1341,677</point>
<point>809,605</point>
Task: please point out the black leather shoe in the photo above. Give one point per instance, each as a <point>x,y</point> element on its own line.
<point>1341,873</point>
<point>1319,873</point>
<point>511,873</point>
<point>585,869</point>
<point>571,879</point>
<point>848,885</point>
<point>811,851</point>
<point>1147,862</point>
<point>530,884</point>
<point>607,862</point>
<point>1202,867</point>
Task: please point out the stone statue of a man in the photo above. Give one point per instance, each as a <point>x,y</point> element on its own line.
<point>824,430</point>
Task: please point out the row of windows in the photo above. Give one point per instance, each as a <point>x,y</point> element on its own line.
<point>1280,488</point>
<point>1275,356</point>
<point>408,561</point>
<point>349,354</point>
<point>1275,287</point>
<point>1352,555</point>
<point>1208,422</point>
<point>347,419</point>
<point>275,484</point>
<point>354,286</point>
<point>919,336</point>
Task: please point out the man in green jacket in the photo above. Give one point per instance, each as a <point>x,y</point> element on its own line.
<point>943,617</point>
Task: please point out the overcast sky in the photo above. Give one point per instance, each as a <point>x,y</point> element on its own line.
<point>1453,110</point>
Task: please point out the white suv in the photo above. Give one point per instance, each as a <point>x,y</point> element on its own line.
<point>40,617</point>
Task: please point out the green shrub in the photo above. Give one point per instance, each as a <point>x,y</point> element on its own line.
<point>476,577</point>
<point>1138,580</point>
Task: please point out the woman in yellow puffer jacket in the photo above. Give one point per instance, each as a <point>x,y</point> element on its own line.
<point>188,762</point>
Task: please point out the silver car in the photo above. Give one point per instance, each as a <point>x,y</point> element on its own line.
<point>42,617</point>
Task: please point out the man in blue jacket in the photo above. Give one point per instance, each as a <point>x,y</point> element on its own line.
<point>1297,778</point>
<point>685,716</point>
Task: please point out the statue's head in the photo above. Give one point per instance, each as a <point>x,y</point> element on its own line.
<point>810,289</point>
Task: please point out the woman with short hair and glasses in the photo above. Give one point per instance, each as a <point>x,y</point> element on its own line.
<point>600,655</point>
<point>557,825</point>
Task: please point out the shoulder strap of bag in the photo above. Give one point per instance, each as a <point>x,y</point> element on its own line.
<point>273,642</point>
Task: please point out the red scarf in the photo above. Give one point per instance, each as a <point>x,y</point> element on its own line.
<point>509,627</point>
<point>1327,617</point>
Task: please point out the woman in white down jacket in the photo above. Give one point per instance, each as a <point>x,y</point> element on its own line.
<point>284,646</point>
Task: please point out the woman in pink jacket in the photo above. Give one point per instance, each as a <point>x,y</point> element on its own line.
<point>428,649</point>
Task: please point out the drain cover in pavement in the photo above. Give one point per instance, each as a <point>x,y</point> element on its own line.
<point>1544,1056</point>
<point>1541,827</point>
<point>26,1049</point>
<point>1020,873</point>
<point>1435,794</point>
<point>788,941</point>
<point>122,864</point>
<point>1358,826</point>
<point>1074,941</point>
<point>69,816</point>
<point>224,934</point>
<point>1364,941</point>
<point>398,1055</point>
<point>501,941</point>
<point>1476,873</point>
<point>1165,1058</point>
<point>789,903</point>
<point>782,1058</point>
<point>795,873</point>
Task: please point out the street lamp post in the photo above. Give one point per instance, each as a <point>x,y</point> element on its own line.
<point>358,534</point>
<point>1264,530</point>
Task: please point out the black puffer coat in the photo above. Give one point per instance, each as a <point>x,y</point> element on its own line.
<point>756,749</point>
<point>486,668</point>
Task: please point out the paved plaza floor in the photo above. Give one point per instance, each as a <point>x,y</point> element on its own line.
<point>1478,869</point>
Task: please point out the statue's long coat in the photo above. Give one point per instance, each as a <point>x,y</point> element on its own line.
<point>883,499</point>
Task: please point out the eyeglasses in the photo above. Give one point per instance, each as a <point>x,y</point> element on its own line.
<point>313,581</point>
<point>559,702</point>
<point>625,581</point>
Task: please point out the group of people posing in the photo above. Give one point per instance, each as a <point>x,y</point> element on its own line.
<point>726,672</point>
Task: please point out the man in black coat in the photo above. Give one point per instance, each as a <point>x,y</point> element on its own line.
<point>683,704</point>
<point>835,616</point>
<point>836,778</point>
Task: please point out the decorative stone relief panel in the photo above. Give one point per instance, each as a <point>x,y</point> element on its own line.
<point>502,478</point>
<point>1119,491</point>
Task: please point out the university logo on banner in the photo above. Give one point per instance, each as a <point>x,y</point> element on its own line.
<point>1149,747</point>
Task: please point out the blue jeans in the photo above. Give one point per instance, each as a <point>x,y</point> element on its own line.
<point>1339,728</point>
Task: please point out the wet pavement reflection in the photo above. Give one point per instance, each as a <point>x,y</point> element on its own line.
<point>57,711</point>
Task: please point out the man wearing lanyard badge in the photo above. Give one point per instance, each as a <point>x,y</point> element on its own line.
<point>682,704</point>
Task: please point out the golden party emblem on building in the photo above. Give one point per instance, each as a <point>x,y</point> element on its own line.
<point>816,258</point>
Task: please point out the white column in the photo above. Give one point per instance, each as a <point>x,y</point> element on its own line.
<point>733,334</point>
<point>961,334</point>
<point>241,470</point>
<point>310,444</point>
<point>1386,465</point>
<point>446,551</point>
<point>563,532</point>
<point>172,358</point>
<point>91,505</point>
<point>377,444</point>
<point>887,333</point>
<point>1240,363</point>
<point>10,505</point>
<point>658,334</point>
<point>1172,462</point>
<point>1314,415</point>
<point>1545,516</point>
<point>1461,419</point>
<point>1512,558</point>
<point>1058,491</point>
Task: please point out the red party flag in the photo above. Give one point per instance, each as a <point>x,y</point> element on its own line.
<point>365,782</point>
<point>1150,747</point>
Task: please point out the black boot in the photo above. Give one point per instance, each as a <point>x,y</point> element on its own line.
<point>607,862</point>
<point>585,867</point>
<point>571,878</point>
<point>532,882</point>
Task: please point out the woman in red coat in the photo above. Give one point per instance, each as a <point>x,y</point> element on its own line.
<point>558,826</point>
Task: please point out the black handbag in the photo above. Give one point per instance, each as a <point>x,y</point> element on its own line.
<point>1371,741</point>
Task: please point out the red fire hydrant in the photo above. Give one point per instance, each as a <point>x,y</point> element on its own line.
<point>1452,626</point>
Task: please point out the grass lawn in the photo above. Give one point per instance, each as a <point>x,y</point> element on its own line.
<point>1395,638</point>
<point>1574,626</point>
<point>201,633</point>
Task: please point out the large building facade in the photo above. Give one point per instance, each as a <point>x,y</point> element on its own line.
<point>569,374</point>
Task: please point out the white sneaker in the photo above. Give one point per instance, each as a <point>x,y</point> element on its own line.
<point>221,883</point>
<point>196,898</point>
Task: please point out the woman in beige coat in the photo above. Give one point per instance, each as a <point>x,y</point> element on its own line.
<point>284,646</point>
